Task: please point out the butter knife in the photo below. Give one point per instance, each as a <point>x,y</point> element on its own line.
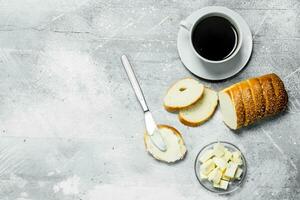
<point>151,126</point>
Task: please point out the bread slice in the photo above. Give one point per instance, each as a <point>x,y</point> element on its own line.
<point>232,107</point>
<point>183,94</point>
<point>280,92</point>
<point>258,97</point>
<point>176,149</point>
<point>249,106</point>
<point>269,94</point>
<point>201,111</point>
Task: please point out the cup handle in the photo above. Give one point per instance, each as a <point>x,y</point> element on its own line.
<point>185,25</point>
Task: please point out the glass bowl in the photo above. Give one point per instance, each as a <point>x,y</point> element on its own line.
<point>233,185</point>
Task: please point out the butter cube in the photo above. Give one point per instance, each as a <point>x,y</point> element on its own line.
<point>236,155</point>
<point>215,176</point>
<point>238,173</point>
<point>203,176</point>
<point>237,158</point>
<point>206,155</point>
<point>225,178</point>
<point>222,185</point>
<point>216,185</point>
<point>218,150</point>
<point>220,162</point>
<point>238,161</point>
<point>231,169</point>
<point>207,167</point>
<point>227,155</point>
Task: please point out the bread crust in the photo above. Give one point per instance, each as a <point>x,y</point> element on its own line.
<point>280,92</point>
<point>258,97</point>
<point>177,108</point>
<point>269,95</point>
<point>180,142</point>
<point>237,100</point>
<point>249,106</point>
<point>186,122</point>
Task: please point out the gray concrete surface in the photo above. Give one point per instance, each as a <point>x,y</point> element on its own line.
<point>70,125</point>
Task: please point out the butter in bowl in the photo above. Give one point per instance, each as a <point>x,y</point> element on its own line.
<point>220,167</point>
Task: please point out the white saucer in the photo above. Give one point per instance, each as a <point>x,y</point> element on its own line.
<point>214,71</point>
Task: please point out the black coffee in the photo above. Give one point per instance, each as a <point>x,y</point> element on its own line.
<point>214,38</point>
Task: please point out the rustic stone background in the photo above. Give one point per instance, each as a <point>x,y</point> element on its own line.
<point>70,125</point>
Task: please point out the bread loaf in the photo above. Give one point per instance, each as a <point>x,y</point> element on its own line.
<point>248,101</point>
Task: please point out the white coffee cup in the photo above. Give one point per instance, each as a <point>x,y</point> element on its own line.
<point>191,27</point>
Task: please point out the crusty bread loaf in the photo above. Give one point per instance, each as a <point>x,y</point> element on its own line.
<point>248,101</point>
<point>176,149</point>
<point>201,111</point>
<point>182,94</point>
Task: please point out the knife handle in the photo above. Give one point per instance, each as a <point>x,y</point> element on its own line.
<point>134,83</point>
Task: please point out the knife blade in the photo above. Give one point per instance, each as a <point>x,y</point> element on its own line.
<point>154,132</point>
